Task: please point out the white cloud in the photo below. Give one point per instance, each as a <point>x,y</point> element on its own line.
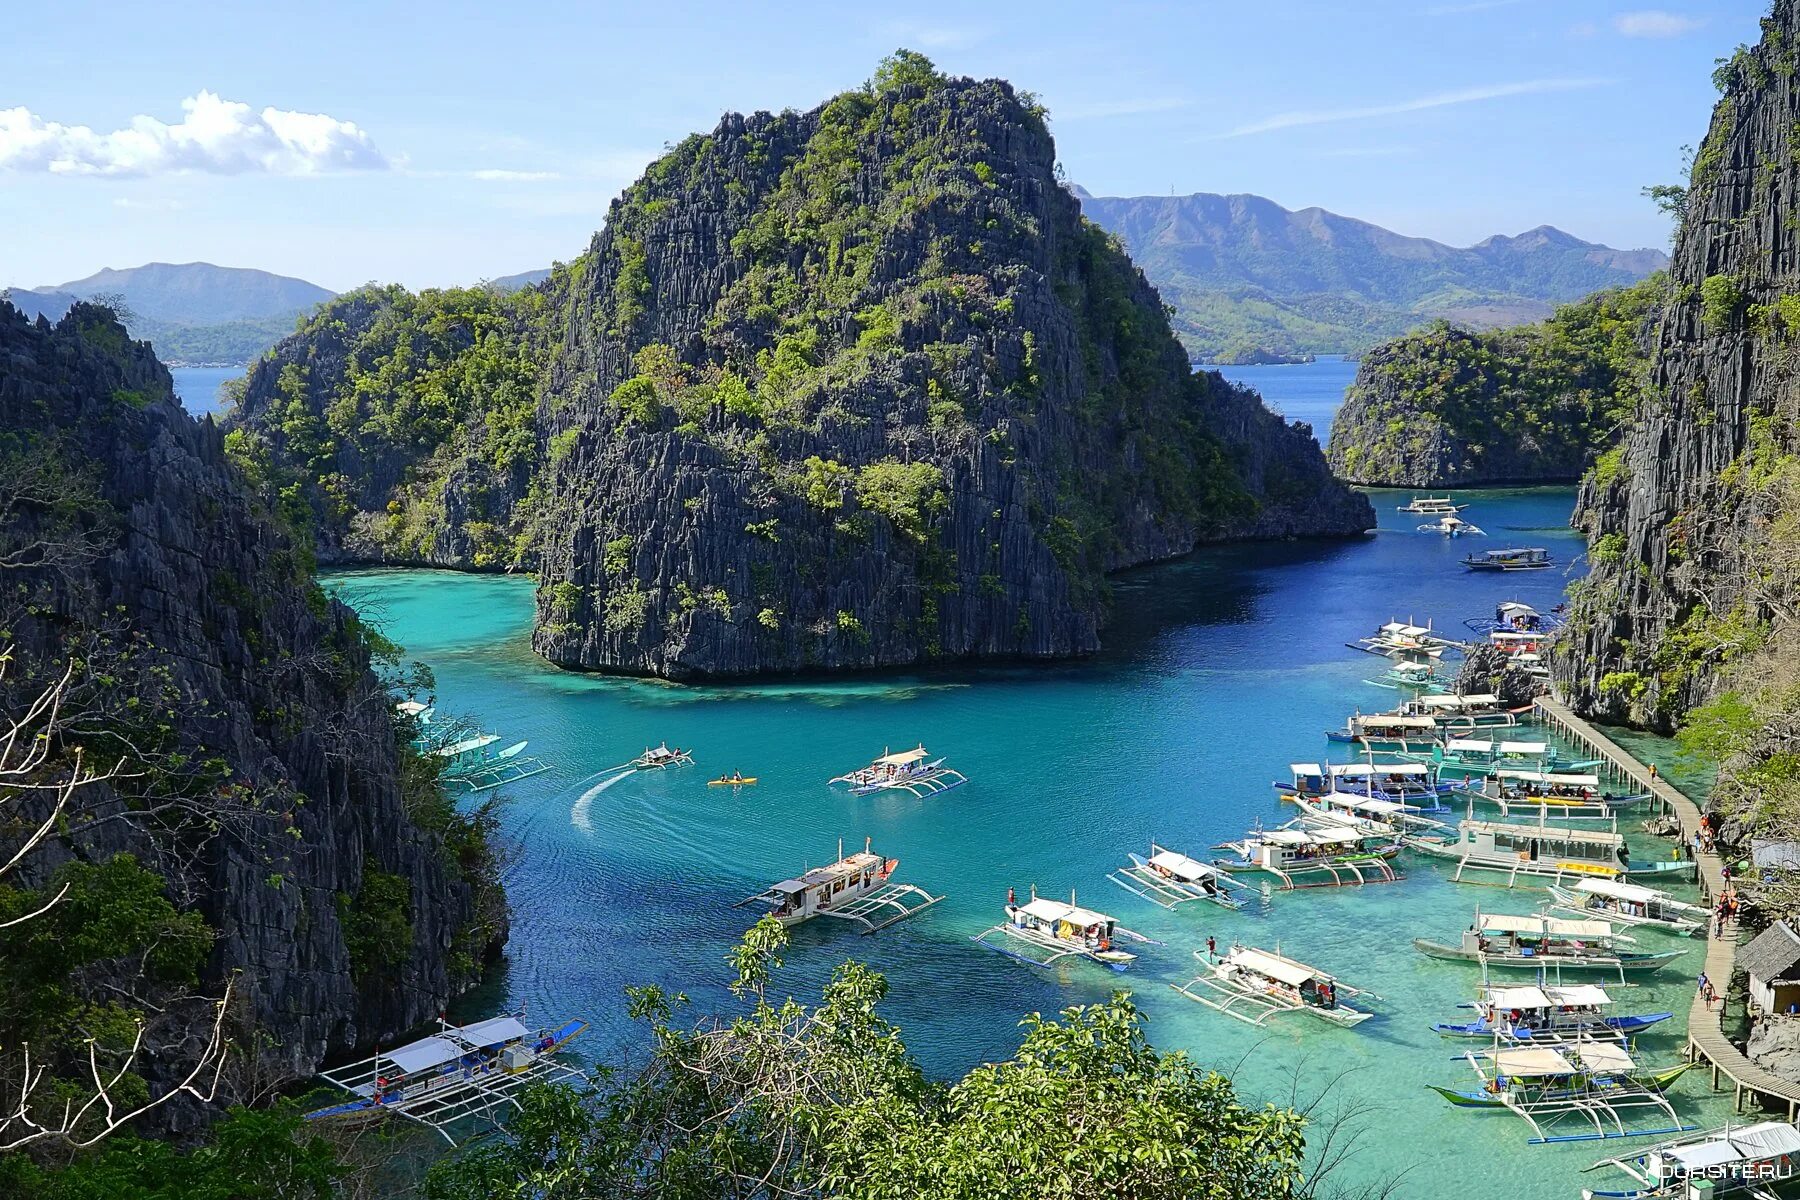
<point>1326,116</point>
<point>502,175</point>
<point>215,136</point>
<point>1117,108</point>
<point>1655,23</point>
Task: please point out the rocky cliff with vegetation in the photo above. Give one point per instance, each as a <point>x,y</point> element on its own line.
<point>253,822</point>
<point>1447,407</point>
<point>847,388</point>
<point>1687,616</point>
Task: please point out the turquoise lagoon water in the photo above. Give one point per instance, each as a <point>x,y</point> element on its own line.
<point>1218,671</point>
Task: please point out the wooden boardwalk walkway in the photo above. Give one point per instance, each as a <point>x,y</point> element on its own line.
<point>1705,1037</point>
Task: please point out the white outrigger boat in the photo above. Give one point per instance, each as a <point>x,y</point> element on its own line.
<point>1431,506</point>
<point>1525,1013</point>
<point>1253,986</point>
<point>1404,639</point>
<point>1456,713</point>
<point>1169,878</point>
<point>661,757</point>
<point>1374,816</point>
<point>1301,855</point>
<point>1502,941</point>
<point>1629,904</point>
<point>1585,1081</point>
<point>906,771</point>
<point>1410,783</point>
<point>1407,675</point>
<point>857,887</point>
<point>1528,558</point>
<point>1414,733</point>
<point>1737,1160</point>
<point>462,1072</point>
<point>1527,854</point>
<point>1049,930</point>
<point>1451,525</point>
<point>1554,795</point>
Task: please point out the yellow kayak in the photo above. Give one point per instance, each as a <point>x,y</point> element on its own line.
<point>732,781</point>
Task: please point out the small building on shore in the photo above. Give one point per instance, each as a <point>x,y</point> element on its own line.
<point>1772,961</point>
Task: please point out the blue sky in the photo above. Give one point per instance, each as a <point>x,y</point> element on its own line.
<point>429,145</point>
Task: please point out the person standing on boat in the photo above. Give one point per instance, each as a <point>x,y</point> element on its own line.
<point>1212,949</point>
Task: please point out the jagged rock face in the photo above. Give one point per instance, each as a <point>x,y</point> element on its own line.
<point>1684,532</point>
<point>1775,1046</point>
<point>965,406</point>
<point>193,596</point>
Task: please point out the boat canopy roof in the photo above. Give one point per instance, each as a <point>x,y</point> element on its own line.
<point>1519,997</point>
<point>1359,770</point>
<point>1404,628</point>
<point>1545,833</point>
<point>1181,866</point>
<point>1579,995</point>
<point>1469,746</point>
<point>1517,608</point>
<point>1364,804</point>
<point>1274,966</point>
<point>1056,910</point>
<point>1333,837</point>
<point>1543,926</point>
<point>1532,1060</point>
<point>1475,700</point>
<point>903,759</point>
<point>1307,769</point>
<point>1524,747</point>
<point>1606,1056</point>
<point>1400,720</point>
<point>1619,891</point>
<point>1529,996</point>
<point>494,1031</point>
<point>412,708</point>
<point>1767,1140</point>
<point>424,1054</point>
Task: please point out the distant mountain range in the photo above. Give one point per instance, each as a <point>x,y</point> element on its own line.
<point>192,312</point>
<point>1243,272</point>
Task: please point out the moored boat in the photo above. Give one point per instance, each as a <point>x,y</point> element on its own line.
<point>1730,1161</point>
<point>1527,855</point>
<point>1431,505</point>
<point>857,887</point>
<point>1535,1013</point>
<point>1499,941</point>
<point>1301,856</point>
<point>1628,904</point>
<point>661,757</point>
<point>1526,558</point>
<point>1591,1084</point>
<point>1045,931</point>
<point>1388,731</point>
<point>1169,878</point>
<point>1554,795</point>
<point>1252,985</point>
<point>1451,525</point>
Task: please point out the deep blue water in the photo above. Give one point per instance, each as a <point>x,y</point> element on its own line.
<point>198,387</point>
<point>1218,671</point>
<point>1308,392</point>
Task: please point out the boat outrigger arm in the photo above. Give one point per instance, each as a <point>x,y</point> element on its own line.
<point>874,910</point>
<point>458,1074</point>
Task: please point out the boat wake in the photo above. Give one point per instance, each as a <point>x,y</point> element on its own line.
<point>578,816</point>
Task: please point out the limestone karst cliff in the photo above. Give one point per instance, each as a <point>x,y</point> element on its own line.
<point>848,388</point>
<point>262,787</point>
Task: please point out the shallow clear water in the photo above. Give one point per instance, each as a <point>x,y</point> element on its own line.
<point>1219,670</point>
<point>1308,392</point>
<point>198,387</point>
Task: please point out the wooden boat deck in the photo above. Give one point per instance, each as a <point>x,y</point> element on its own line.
<point>1706,1039</point>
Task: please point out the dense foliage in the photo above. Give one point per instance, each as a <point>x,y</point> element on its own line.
<point>792,1100</point>
<point>1551,396</point>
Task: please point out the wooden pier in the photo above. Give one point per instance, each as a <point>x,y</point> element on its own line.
<point>1706,1040</point>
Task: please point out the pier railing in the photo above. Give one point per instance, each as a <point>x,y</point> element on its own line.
<point>1706,1038</point>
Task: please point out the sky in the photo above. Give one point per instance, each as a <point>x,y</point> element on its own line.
<point>349,142</point>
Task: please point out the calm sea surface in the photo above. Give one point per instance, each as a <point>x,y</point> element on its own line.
<point>198,387</point>
<point>1218,671</point>
<point>1308,392</point>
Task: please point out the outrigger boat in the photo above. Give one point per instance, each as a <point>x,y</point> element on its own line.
<point>736,779</point>
<point>1431,505</point>
<point>1302,856</point>
<point>906,771</point>
<point>1169,878</point>
<point>1412,676</point>
<point>460,1072</point>
<point>1049,931</point>
<point>1527,854</point>
<point>1451,525</point>
<point>1376,817</point>
<point>1514,616</point>
<point>1388,731</point>
<point>662,757</point>
<point>1408,783</point>
<point>1530,558</point>
<point>1732,1161</point>
<point>1534,1013</point>
<point>1500,941</point>
<point>857,887</point>
<point>1251,985</point>
<point>1588,1081</point>
<point>1629,904</point>
<point>1472,758</point>
<point>1464,712</point>
<point>473,768</point>
<point>1404,639</point>
<point>1554,795</point>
